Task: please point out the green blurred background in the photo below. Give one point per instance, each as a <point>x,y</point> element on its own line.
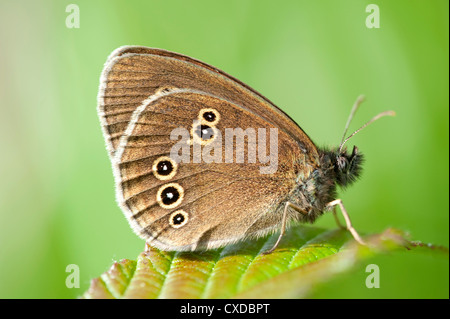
<point>311,58</point>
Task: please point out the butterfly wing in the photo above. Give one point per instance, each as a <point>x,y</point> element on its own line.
<point>220,201</point>
<point>132,73</point>
<point>145,95</point>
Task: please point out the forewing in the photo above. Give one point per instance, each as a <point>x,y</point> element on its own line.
<point>132,74</point>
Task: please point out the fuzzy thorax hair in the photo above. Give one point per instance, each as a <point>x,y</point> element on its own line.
<point>337,168</point>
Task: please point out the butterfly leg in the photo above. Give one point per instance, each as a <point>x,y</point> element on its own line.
<point>347,220</point>
<point>337,219</point>
<point>283,224</point>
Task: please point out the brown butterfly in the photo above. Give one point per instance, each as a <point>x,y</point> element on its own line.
<point>165,117</point>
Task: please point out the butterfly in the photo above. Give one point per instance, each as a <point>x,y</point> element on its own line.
<point>201,160</point>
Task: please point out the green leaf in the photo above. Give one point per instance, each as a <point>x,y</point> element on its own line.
<point>306,256</point>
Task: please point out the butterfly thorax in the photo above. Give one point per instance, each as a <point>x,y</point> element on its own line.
<point>315,191</point>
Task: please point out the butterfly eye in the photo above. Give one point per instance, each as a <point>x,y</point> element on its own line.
<point>164,168</point>
<point>170,195</point>
<point>341,162</point>
<point>178,219</point>
<point>209,116</point>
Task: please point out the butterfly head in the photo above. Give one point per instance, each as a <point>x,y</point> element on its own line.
<point>347,166</point>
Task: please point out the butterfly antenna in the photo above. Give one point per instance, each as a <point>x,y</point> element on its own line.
<point>355,107</point>
<point>376,117</point>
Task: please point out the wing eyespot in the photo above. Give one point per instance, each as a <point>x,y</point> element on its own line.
<point>164,90</point>
<point>209,116</point>
<point>170,195</point>
<point>164,168</point>
<point>203,133</point>
<point>178,218</point>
